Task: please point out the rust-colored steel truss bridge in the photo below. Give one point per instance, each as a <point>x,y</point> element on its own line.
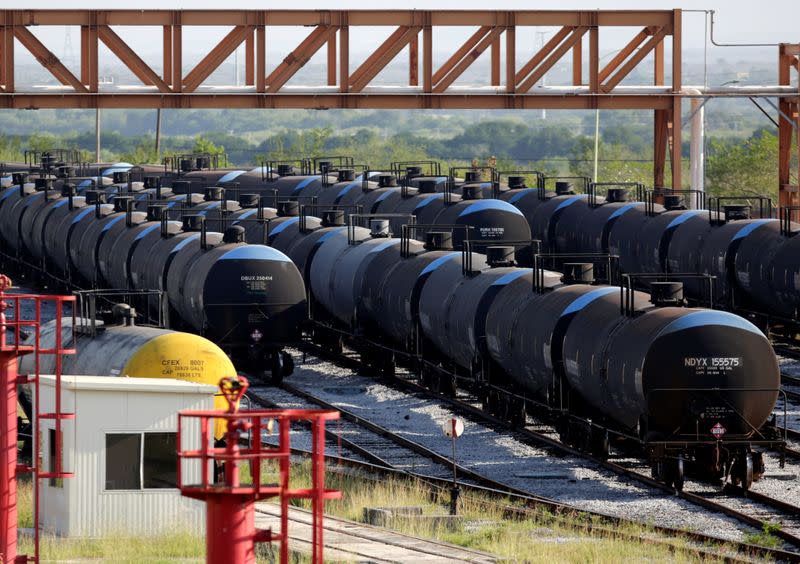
<point>508,86</point>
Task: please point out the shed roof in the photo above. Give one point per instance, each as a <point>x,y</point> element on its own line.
<point>124,384</point>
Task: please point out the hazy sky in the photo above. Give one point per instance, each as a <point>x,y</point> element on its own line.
<point>737,21</point>
<point>768,21</point>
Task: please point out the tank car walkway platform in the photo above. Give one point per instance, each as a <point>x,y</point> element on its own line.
<point>355,542</point>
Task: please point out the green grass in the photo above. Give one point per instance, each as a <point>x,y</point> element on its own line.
<point>486,525</point>
<point>765,537</point>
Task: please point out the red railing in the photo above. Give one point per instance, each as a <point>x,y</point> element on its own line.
<point>231,532</point>
<point>20,335</point>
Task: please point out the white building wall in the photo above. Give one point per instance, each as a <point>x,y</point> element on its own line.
<point>83,507</point>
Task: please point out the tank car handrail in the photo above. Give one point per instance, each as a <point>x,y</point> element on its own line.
<point>342,161</point>
<point>450,187</point>
<point>407,229</point>
<point>272,165</point>
<point>539,175</point>
<point>174,163</point>
<point>584,179</point>
<point>534,245</point>
<point>627,286</point>
<point>785,216</point>
<point>714,205</point>
<point>351,222</point>
<point>611,261</point>
<point>435,167</point>
<point>87,305</point>
<point>264,221</point>
<point>650,196</point>
<point>592,190</point>
<point>315,206</point>
<point>780,392</point>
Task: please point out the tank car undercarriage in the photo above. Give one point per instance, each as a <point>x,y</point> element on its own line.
<point>737,459</point>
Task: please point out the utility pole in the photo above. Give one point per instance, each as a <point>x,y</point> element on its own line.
<point>158,134</point>
<point>97,136</point>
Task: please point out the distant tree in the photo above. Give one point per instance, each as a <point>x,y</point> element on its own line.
<point>746,168</point>
<point>205,145</point>
<point>144,152</point>
<point>616,163</point>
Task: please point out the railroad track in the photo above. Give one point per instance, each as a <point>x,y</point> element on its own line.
<point>387,452</point>
<point>760,508</point>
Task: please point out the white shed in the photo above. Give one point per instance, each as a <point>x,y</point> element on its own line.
<point>121,448</point>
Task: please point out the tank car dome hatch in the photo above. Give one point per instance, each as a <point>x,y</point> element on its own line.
<point>471,192</point>
<point>96,197</point>
<point>234,234</point>
<point>249,200</point>
<point>193,222</point>
<point>498,256</point>
<point>473,176</point>
<point>387,181</point>
<point>737,212</point>
<point>152,181</point>
<point>379,228</point>
<point>346,175</point>
<point>288,208</point>
<point>155,211</point>
<point>439,241</point>
<point>664,294</point>
<point>427,186</point>
<point>213,193</point>
<point>674,202</point>
<point>516,182</point>
<point>121,203</point>
<point>564,188</point>
<point>617,195</point>
<point>120,177</point>
<point>578,273</point>
<point>333,218</point>
<point>181,186</point>
<point>69,189</point>
<point>412,171</point>
<point>42,184</point>
<point>285,170</point>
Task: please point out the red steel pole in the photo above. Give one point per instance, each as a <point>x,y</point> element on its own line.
<point>8,445</point>
<point>230,529</point>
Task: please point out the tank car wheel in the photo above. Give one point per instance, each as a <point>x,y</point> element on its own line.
<point>519,415</point>
<point>677,473</point>
<point>600,443</point>
<point>288,363</point>
<point>746,472</point>
<point>424,377</point>
<point>276,370</point>
<point>657,470</point>
<point>448,386</point>
<point>493,402</point>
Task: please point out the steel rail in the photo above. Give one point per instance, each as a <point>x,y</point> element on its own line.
<point>516,494</point>
<point>543,440</point>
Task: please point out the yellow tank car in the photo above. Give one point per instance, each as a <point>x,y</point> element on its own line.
<point>126,350</point>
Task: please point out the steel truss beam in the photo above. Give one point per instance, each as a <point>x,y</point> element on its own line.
<point>788,127</point>
<point>512,89</point>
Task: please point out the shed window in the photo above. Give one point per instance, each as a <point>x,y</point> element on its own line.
<point>129,466</point>
<point>160,461</point>
<point>123,459</point>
